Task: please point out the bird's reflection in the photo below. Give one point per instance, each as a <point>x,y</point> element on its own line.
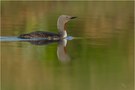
<point>61,48</point>
<point>62,52</point>
<point>42,42</point>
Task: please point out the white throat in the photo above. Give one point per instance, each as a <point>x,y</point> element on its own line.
<point>64,33</point>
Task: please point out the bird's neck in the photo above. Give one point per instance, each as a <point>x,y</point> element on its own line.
<point>62,28</point>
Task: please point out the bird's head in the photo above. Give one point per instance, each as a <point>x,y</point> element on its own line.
<point>65,18</point>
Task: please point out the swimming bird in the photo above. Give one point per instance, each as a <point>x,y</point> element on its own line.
<point>61,26</point>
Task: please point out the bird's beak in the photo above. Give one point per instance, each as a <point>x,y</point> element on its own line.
<point>73,17</point>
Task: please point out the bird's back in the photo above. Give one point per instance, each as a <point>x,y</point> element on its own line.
<point>40,34</point>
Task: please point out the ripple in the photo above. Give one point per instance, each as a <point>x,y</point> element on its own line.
<point>14,38</point>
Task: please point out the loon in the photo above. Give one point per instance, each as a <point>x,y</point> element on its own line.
<point>61,26</point>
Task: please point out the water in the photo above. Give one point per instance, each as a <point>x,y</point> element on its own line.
<point>14,38</point>
<point>97,55</point>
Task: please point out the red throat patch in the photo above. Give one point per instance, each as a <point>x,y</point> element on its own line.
<point>65,26</point>
<point>65,50</point>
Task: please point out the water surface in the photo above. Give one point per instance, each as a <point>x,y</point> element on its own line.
<point>100,56</point>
